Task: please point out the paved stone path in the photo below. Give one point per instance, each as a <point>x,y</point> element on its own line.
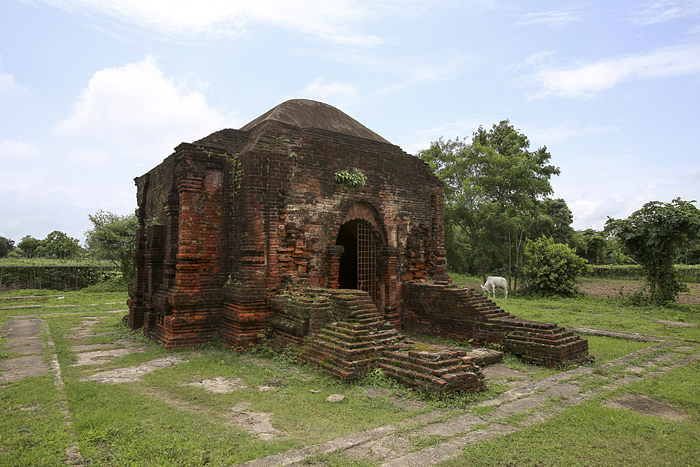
<point>531,402</point>
<point>391,445</point>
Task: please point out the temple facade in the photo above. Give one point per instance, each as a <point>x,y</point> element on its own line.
<point>302,196</point>
<point>302,200</point>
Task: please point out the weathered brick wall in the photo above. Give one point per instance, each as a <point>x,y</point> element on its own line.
<point>288,208</point>
<point>178,285</point>
<point>231,220</point>
<point>461,314</point>
<point>302,207</point>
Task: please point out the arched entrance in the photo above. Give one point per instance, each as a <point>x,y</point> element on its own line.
<point>358,263</point>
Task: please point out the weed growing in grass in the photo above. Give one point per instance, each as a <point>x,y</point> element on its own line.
<point>418,443</point>
<point>377,379</point>
<point>272,349</point>
<point>336,459</point>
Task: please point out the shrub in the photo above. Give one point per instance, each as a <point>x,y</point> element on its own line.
<point>551,268</point>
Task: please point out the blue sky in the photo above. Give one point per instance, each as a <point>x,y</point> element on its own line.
<point>95,92</point>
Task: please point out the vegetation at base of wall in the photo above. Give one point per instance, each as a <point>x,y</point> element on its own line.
<point>53,262</point>
<point>116,284</point>
<point>687,273</point>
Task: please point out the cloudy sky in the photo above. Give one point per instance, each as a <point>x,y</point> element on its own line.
<point>96,92</point>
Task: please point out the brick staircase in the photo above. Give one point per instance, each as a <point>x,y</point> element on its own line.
<point>342,333</point>
<point>463,314</point>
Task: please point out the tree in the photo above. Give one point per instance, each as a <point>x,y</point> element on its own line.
<point>559,218</point>
<point>6,246</point>
<point>59,245</point>
<point>493,189</point>
<point>654,235</point>
<point>591,245</point>
<point>29,245</point>
<point>551,268</point>
<point>114,237</point>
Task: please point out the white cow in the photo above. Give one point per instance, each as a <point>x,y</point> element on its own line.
<point>494,282</point>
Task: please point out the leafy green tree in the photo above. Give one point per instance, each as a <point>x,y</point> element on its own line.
<point>29,245</point>
<point>493,189</point>
<point>551,268</point>
<point>113,237</point>
<point>59,245</point>
<point>558,219</point>
<point>6,246</point>
<point>590,244</point>
<point>654,235</point>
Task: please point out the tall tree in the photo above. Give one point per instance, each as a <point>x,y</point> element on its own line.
<point>654,235</point>
<point>558,220</point>
<point>6,246</point>
<point>59,245</point>
<point>591,245</point>
<point>113,237</point>
<point>493,188</point>
<point>29,245</point>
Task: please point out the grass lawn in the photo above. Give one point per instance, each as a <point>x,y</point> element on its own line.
<point>592,434</point>
<point>167,418</point>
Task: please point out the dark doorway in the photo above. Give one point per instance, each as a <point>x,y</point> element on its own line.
<point>358,263</point>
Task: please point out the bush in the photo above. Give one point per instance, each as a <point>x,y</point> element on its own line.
<point>551,268</point>
<point>116,284</point>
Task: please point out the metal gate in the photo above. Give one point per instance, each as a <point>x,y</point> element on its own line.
<point>366,261</point>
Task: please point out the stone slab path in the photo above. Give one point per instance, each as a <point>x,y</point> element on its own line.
<point>391,445</point>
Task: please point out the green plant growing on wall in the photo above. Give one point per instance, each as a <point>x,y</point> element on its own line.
<point>236,167</point>
<point>351,178</point>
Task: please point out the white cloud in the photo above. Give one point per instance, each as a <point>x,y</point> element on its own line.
<point>587,80</point>
<point>338,93</point>
<point>616,185</point>
<point>548,18</point>
<point>18,151</point>
<point>666,10</point>
<point>331,20</point>
<point>9,85</point>
<point>137,106</point>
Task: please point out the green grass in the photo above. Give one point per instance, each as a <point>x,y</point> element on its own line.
<point>607,313</point>
<point>594,435</point>
<point>32,428</point>
<point>160,420</point>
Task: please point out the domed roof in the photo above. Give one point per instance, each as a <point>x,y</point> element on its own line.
<point>304,113</point>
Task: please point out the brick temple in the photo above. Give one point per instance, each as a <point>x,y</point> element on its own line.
<point>304,225</point>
